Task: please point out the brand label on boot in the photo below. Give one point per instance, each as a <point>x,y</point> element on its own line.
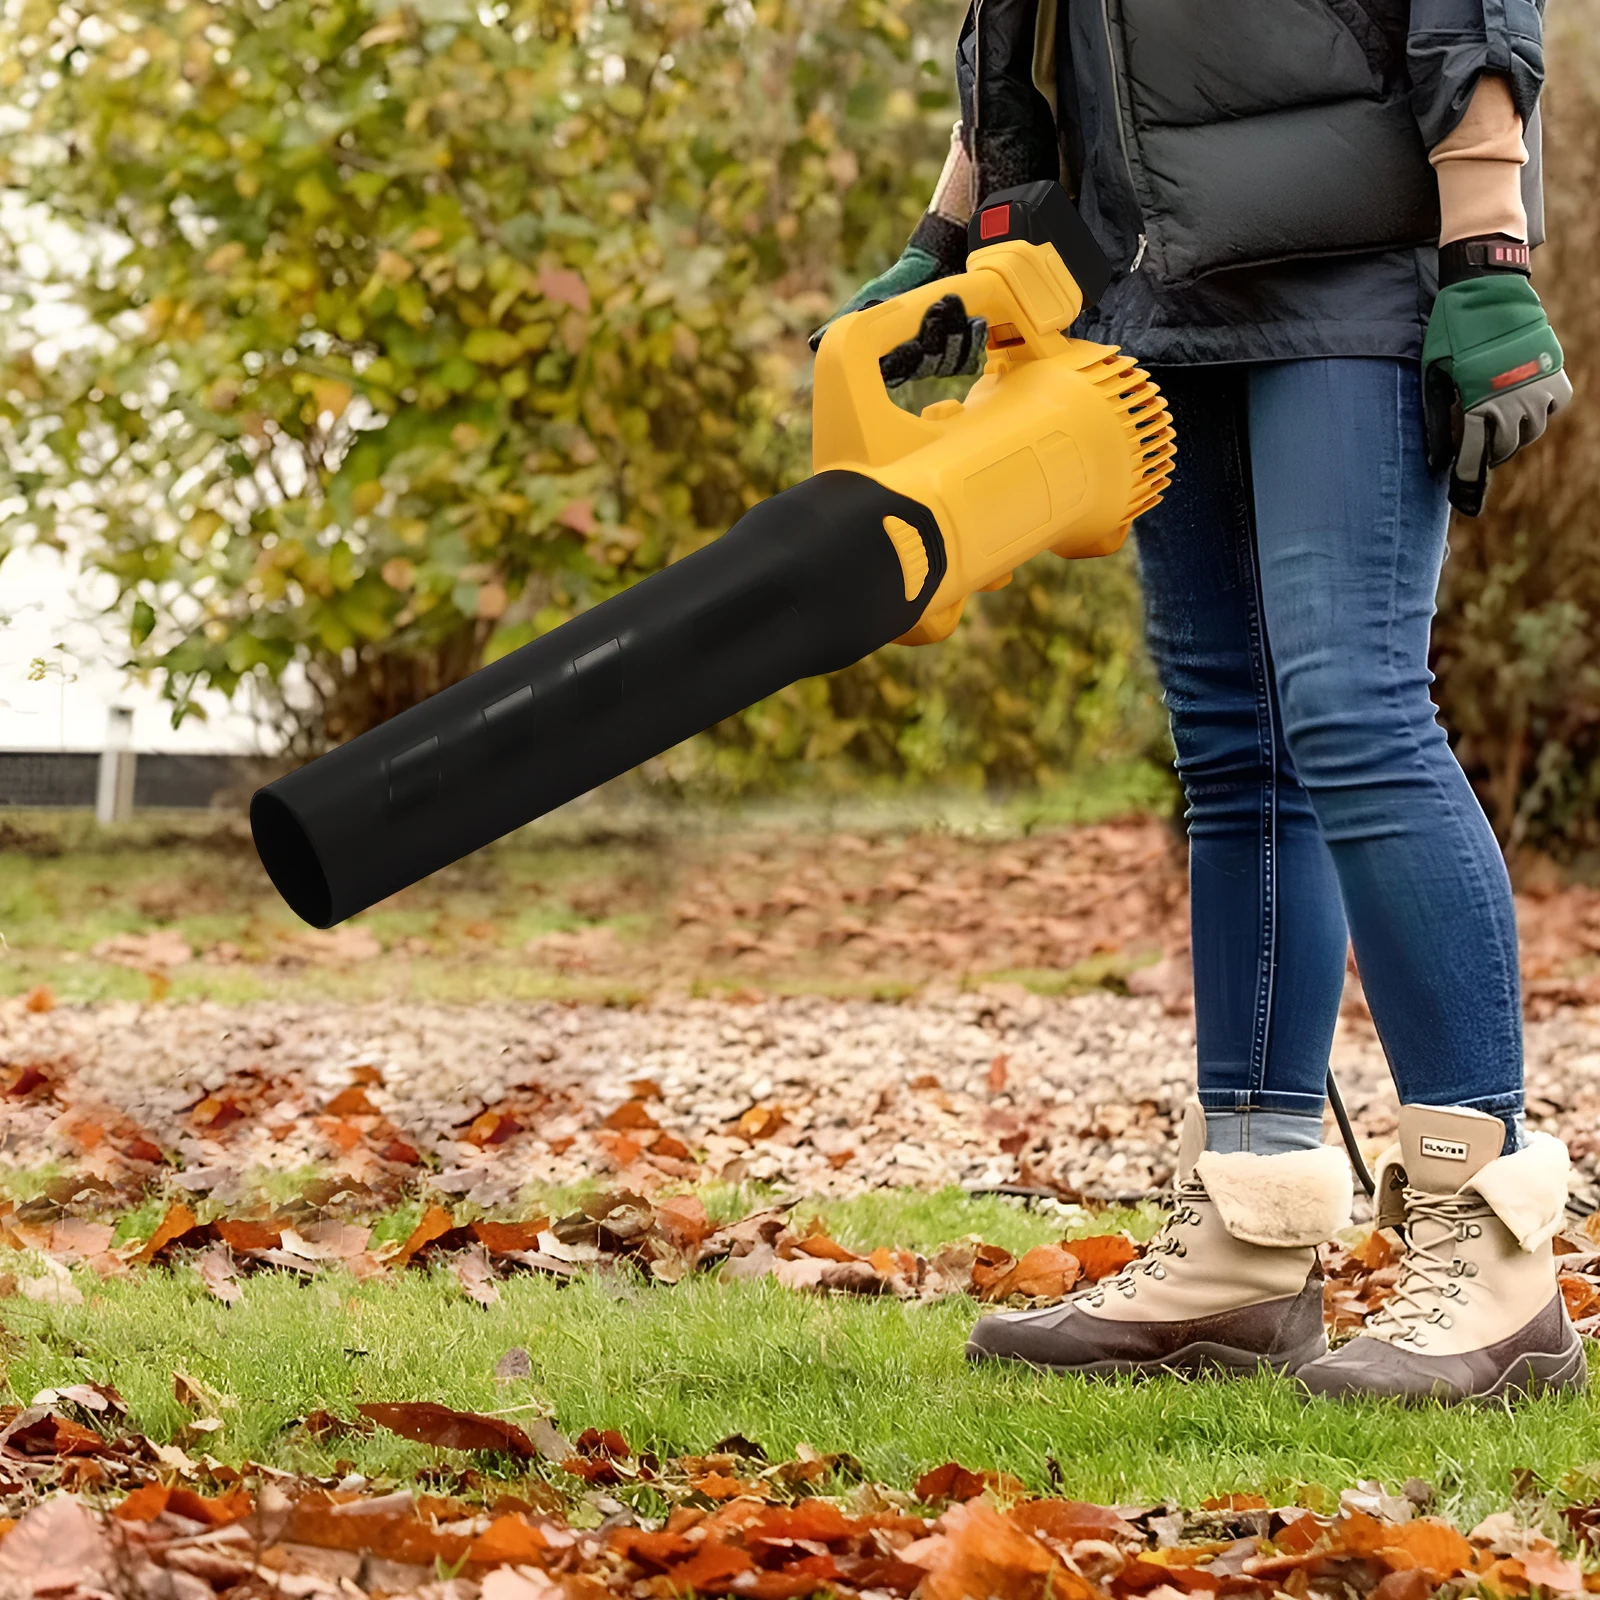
<point>1445,1149</point>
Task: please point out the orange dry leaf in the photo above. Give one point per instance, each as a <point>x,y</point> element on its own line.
<point>719,1486</point>
<point>683,1219</point>
<point>396,1536</point>
<point>247,1236</point>
<point>655,1551</point>
<point>40,999</point>
<point>1234,1502</point>
<point>889,1262</point>
<point>759,1122</point>
<point>710,1567</point>
<point>1427,1543</point>
<point>508,1539</point>
<point>351,1102</point>
<point>824,1248</point>
<point>215,1112</point>
<point>217,1510</point>
<point>435,1223</point>
<point>433,1424</point>
<point>952,1481</point>
<point>1582,1296</point>
<point>50,1435</point>
<point>72,1236</point>
<point>1103,1255</point>
<point>492,1127</point>
<point>1374,1252</point>
<point>145,1504</point>
<point>630,1114</point>
<point>990,1264</point>
<point>982,1553</point>
<point>1045,1273</point>
<point>178,1221</point>
<point>809,1519</point>
<point>343,1136</point>
<point>500,1238</point>
<point>622,1150</point>
<point>1434,1546</point>
<point>997,1073</point>
<point>1070,1520</point>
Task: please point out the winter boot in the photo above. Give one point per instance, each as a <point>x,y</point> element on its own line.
<point>1476,1313</point>
<point>1230,1284</point>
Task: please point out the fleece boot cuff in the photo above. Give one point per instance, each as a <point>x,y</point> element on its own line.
<point>1300,1198</point>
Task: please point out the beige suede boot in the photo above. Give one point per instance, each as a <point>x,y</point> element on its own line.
<point>1230,1284</point>
<point>1476,1314</point>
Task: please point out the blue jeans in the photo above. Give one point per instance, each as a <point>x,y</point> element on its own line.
<point>1289,579</point>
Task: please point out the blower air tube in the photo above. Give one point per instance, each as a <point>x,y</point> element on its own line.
<point>806,582</point>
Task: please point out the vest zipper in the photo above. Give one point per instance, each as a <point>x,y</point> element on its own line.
<point>977,86</point>
<point>1122,133</point>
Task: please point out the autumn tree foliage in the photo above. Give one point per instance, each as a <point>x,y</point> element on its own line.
<point>422,327</point>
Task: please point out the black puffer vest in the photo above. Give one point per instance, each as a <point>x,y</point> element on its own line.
<point>1257,170</point>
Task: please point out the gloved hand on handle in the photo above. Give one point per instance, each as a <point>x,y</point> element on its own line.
<point>1491,366</point>
<point>949,343</point>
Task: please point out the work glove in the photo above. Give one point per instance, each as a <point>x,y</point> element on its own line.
<point>948,344</point>
<point>1492,377</point>
<point>943,350</point>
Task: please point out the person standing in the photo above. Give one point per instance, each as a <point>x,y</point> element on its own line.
<point>1320,215</point>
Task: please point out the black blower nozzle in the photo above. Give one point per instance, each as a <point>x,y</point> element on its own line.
<point>806,582</point>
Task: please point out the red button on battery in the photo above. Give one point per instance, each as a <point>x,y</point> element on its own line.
<point>994,222</point>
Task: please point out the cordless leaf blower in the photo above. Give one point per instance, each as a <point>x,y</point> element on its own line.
<point>1058,446</point>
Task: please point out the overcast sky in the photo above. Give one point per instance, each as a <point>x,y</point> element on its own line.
<point>45,601</point>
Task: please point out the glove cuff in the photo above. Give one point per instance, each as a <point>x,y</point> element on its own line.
<point>944,240</point>
<point>1477,258</point>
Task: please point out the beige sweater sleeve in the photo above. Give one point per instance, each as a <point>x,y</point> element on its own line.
<point>953,197</point>
<point>1479,167</point>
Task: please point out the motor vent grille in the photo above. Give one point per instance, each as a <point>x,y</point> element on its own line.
<point>1148,423</point>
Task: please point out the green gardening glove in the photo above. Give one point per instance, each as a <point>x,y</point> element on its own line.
<point>1491,378</point>
<point>944,348</point>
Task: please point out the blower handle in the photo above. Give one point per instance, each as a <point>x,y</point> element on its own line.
<point>1017,277</point>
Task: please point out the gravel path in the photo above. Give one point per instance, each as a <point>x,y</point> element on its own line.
<point>826,1096</point>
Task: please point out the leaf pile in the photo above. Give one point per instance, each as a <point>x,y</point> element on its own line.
<point>663,1240</point>
<point>735,1525</point>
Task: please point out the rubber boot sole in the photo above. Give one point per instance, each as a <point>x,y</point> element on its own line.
<point>1564,1371</point>
<point>1202,1359</point>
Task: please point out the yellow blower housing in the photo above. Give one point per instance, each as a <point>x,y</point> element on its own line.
<point>1058,446</point>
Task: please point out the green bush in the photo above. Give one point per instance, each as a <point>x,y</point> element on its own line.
<point>423,328</point>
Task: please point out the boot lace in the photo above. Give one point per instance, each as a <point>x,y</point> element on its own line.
<point>1429,1277</point>
<point>1167,1245</point>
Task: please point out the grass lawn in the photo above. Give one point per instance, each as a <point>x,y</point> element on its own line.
<point>678,1369</point>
